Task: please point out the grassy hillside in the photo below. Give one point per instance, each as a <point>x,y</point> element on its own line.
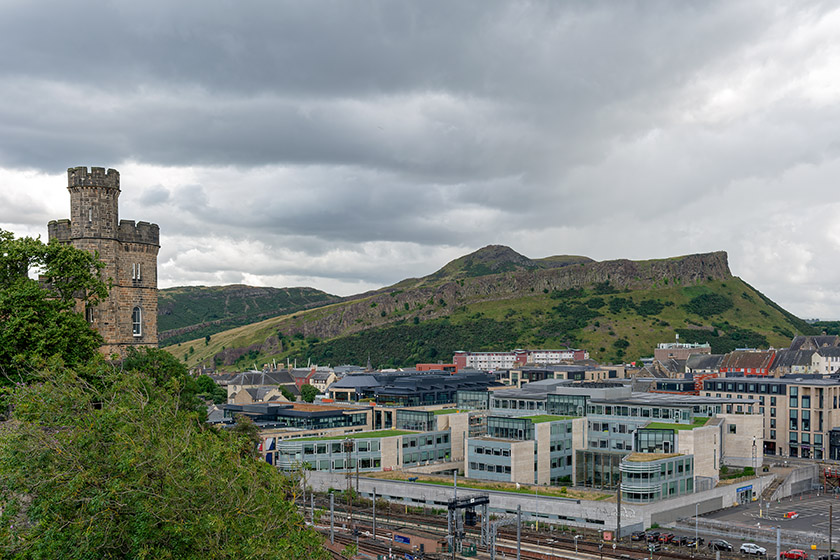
<point>187,313</point>
<point>615,325</point>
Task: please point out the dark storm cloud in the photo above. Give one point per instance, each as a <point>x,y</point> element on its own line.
<point>352,144</point>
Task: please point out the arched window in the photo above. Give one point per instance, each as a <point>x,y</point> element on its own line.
<point>137,322</point>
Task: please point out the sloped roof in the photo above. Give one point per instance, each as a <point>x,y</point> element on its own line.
<point>829,352</point>
<point>703,361</point>
<point>786,359</point>
<point>814,342</point>
<point>257,378</point>
<point>747,359</point>
<point>354,381</point>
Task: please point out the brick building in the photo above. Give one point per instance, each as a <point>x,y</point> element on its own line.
<point>128,317</point>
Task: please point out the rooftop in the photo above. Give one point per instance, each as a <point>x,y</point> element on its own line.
<point>540,418</point>
<point>698,423</point>
<point>359,435</point>
<point>648,457</point>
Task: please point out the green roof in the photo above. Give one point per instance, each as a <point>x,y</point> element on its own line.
<point>698,423</point>
<point>540,418</point>
<point>376,434</point>
<point>446,411</point>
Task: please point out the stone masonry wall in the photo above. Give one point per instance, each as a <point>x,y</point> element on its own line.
<point>128,249</point>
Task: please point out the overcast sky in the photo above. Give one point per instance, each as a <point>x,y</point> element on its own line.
<point>348,145</point>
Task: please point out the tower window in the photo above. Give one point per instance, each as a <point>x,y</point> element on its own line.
<point>137,322</point>
<point>90,215</point>
<point>135,271</point>
<point>89,314</point>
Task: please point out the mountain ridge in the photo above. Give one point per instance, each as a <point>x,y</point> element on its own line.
<point>614,308</point>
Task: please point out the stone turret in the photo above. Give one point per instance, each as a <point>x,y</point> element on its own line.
<point>128,317</point>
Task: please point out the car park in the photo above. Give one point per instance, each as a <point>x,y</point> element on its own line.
<point>752,548</point>
<point>638,536</point>
<point>795,554</point>
<point>720,544</point>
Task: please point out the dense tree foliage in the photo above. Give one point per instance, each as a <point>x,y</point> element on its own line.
<point>39,319</point>
<point>308,392</point>
<point>117,464</point>
<point>707,305</point>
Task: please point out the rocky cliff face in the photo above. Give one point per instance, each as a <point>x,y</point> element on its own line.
<point>434,301</point>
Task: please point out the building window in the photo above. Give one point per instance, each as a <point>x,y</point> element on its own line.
<point>137,322</point>
<point>135,271</point>
<point>732,428</point>
<point>89,314</point>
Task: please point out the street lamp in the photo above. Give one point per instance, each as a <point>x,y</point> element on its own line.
<point>576,540</point>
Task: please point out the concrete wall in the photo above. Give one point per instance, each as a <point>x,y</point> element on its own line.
<point>797,482</point>
<point>738,446</point>
<point>578,513</point>
<point>522,461</point>
<point>459,425</point>
<point>542,435</point>
<point>702,443</point>
<point>390,449</point>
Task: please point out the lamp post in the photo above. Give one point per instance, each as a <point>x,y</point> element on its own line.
<point>576,540</point>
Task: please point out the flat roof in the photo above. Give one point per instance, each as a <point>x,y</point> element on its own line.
<point>359,435</point>
<point>540,418</point>
<point>648,457</point>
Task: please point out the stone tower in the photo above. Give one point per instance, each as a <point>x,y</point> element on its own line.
<point>128,317</point>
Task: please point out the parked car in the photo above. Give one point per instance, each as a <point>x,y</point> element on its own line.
<point>691,542</point>
<point>752,548</point>
<point>834,556</point>
<point>666,538</point>
<point>642,536</point>
<point>795,554</point>
<point>681,540</point>
<point>720,544</point>
<point>653,536</point>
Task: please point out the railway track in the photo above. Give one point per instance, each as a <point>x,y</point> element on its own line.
<point>541,545</point>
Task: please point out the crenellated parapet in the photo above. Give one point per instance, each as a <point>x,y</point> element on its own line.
<point>140,232</point>
<point>59,230</point>
<point>96,177</point>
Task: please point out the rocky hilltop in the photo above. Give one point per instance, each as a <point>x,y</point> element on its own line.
<point>438,294</point>
<point>497,299</point>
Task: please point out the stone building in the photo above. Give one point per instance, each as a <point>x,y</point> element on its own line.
<point>128,317</point>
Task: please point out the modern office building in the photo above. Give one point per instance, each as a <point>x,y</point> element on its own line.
<point>798,412</point>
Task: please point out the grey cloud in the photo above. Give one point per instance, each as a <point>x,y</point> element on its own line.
<point>352,145</point>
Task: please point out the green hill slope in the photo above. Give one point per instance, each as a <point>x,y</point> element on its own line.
<point>618,310</point>
<point>186,313</point>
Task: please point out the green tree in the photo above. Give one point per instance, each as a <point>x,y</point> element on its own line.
<point>114,466</point>
<point>40,319</point>
<point>288,394</point>
<point>308,392</point>
<point>210,389</point>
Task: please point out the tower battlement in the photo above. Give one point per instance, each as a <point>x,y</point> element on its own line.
<point>140,232</point>
<point>59,229</point>
<point>129,250</point>
<point>96,177</point>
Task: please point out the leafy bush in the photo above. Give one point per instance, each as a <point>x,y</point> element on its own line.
<point>649,307</point>
<point>604,288</point>
<point>707,305</point>
<point>618,304</point>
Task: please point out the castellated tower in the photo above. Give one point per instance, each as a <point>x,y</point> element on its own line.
<point>128,317</point>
